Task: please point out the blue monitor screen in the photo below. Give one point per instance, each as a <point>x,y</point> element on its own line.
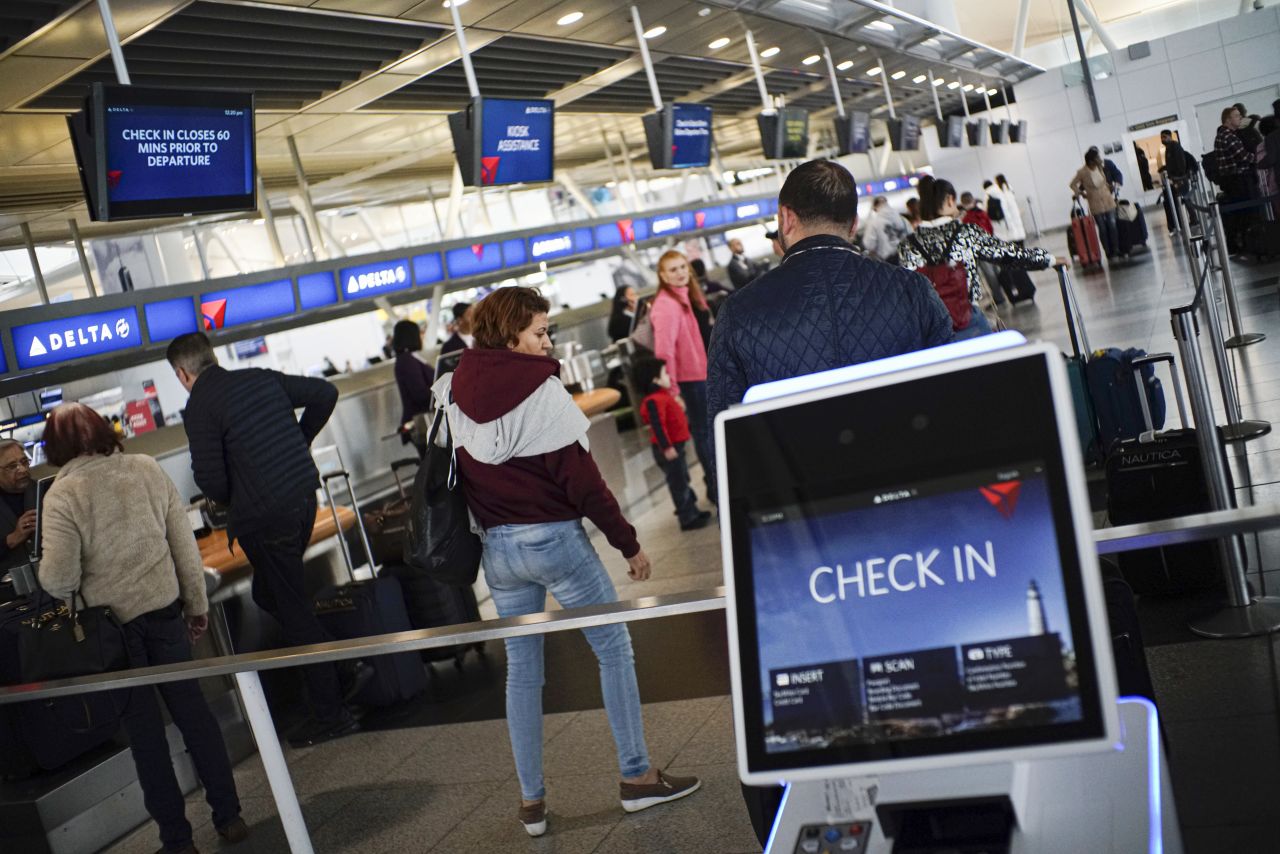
<point>711,217</point>
<point>664,224</point>
<point>690,135</point>
<point>583,240</point>
<point>516,141</point>
<point>177,152</point>
<point>874,627</point>
<point>249,304</point>
<point>555,244</point>
<point>317,289</point>
<point>52,342</point>
<point>371,280</point>
<point>170,318</point>
<point>427,269</point>
<point>514,253</point>
<point>473,259</point>
<point>615,233</point>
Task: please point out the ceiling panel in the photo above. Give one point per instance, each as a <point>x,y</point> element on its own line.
<point>21,18</point>
<point>677,77</point>
<point>288,58</point>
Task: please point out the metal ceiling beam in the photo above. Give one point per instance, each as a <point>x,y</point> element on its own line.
<point>602,79</point>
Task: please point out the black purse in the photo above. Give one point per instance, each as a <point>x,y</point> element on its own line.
<point>60,641</point>
<point>438,539</point>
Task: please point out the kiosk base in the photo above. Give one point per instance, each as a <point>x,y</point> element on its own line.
<point>1119,802</point>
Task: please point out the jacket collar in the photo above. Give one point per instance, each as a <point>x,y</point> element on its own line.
<point>937,223</point>
<point>818,241</point>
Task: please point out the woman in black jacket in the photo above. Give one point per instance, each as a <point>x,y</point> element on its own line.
<point>413,379</point>
<point>624,313</point>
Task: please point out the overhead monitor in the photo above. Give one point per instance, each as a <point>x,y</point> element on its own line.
<point>679,136</point>
<point>1018,132</point>
<point>503,141</point>
<point>1000,131</point>
<point>911,577</point>
<point>904,133</point>
<point>951,132</point>
<point>977,131</point>
<point>784,134</point>
<point>145,152</point>
<point>853,133</point>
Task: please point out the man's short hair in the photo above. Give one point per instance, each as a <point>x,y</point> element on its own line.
<point>1166,132</point>
<point>878,202</point>
<point>6,444</point>
<point>821,191</point>
<point>1227,111</point>
<point>192,352</point>
<point>966,198</point>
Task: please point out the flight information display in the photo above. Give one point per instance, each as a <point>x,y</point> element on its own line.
<point>516,141</point>
<point>690,135</point>
<point>841,589</point>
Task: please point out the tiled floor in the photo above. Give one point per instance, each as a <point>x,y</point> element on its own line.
<point>449,787</point>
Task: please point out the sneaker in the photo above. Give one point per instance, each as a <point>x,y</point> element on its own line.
<point>699,521</point>
<point>234,832</point>
<point>534,818</point>
<point>314,732</point>
<point>354,678</point>
<point>636,796</point>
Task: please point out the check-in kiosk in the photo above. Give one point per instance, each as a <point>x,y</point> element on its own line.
<point>917,630</point>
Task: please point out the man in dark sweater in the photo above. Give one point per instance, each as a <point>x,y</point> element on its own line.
<point>17,503</point>
<point>250,452</point>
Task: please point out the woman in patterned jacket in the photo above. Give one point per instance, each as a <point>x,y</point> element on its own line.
<point>943,239</point>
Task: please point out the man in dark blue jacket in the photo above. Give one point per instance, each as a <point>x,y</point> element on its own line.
<point>249,451</point>
<point>825,306</point>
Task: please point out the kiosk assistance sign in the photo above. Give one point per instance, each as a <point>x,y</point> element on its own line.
<point>516,144</point>
<point>52,342</point>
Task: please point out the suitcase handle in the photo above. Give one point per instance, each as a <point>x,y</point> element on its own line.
<point>404,463</point>
<point>1151,359</point>
<point>1075,322</point>
<point>337,523</point>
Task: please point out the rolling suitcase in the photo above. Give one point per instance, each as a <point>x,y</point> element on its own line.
<point>1077,362</point>
<point>1128,651</point>
<point>1083,239</point>
<point>386,525</point>
<point>1159,475</point>
<point>432,605</point>
<point>370,607</point>
<point>44,735</point>
<point>1132,233</point>
<point>1116,399</point>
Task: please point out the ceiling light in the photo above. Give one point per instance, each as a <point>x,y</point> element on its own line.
<point>898,75</point>
<point>719,43</point>
<point>1101,75</point>
<point>770,51</point>
<point>938,81</point>
<point>571,18</point>
<point>968,87</point>
<point>882,26</point>
<point>872,72</point>
<point>654,32</point>
<point>845,66</point>
<point>704,11</point>
<point>451,3</point>
<point>810,60</point>
<point>931,42</point>
<point>919,78</point>
<point>954,84</point>
<point>991,92</point>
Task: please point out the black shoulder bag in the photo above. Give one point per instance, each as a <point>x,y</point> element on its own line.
<point>438,538</point>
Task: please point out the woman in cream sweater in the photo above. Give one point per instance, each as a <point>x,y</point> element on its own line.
<point>116,532</point>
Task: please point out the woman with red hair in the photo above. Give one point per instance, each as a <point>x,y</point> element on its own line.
<point>678,342</point>
<point>115,533</point>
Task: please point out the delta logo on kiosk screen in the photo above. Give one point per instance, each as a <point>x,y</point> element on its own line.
<point>627,228</point>
<point>214,314</point>
<point>489,170</point>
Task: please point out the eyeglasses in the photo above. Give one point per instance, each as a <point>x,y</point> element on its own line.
<point>14,466</point>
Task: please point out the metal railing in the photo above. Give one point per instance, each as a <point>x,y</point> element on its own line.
<point>245,667</point>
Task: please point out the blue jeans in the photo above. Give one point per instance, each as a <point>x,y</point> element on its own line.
<point>522,563</point>
<point>677,473</point>
<point>1108,232</point>
<point>977,327</point>
<point>695,401</point>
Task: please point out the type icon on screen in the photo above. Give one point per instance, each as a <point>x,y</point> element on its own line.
<point>214,313</point>
<point>1003,496</point>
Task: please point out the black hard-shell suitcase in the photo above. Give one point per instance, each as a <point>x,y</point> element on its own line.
<point>44,735</point>
<point>371,607</point>
<point>432,605</point>
<point>1262,239</point>
<point>1132,233</point>
<point>1016,284</point>
<point>1159,475</point>
<point>1129,652</point>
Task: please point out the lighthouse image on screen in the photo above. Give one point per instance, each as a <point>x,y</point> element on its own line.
<point>926,610</point>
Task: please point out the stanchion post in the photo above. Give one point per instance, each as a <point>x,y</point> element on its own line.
<point>273,762</point>
<point>1241,617</point>
<point>1239,338</point>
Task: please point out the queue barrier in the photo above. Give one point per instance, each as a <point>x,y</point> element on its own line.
<point>245,667</point>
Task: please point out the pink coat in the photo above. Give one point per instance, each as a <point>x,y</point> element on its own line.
<point>676,338</point>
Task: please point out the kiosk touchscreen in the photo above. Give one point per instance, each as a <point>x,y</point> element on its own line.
<point>911,579</point>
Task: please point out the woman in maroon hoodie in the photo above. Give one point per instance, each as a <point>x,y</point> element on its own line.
<point>529,479</point>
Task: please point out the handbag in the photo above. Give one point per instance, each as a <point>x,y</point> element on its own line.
<point>438,539</point>
<point>60,641</point>
<point>950,281</point>
<point>1126,211</point>
<point>642,333</point>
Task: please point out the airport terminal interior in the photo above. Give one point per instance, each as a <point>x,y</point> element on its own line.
<point>295,178</point>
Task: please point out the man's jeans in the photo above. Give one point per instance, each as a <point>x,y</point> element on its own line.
<point>522,563</point>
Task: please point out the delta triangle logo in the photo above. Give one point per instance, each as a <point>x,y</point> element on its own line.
<point>1003,496</point>
<point>214,313</point>
<point>699,219</point>
<point>37,348</point>
<point>477,249</point>
<point>626,228</point>
<point>488,170</point>
<point>113,178</point>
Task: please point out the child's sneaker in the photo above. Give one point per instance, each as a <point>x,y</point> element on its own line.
<point>637,796</point>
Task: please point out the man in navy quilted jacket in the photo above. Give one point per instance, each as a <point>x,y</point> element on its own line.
<point>825,306</point>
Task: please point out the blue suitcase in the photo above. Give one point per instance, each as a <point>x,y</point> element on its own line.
<point>1110,375</point>
<point>374,606</point>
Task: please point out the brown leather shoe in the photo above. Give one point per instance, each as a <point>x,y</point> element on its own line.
<point>636,796</point>
<point>234,832</point>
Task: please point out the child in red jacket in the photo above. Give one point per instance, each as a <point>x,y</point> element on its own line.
<point>668,432</point>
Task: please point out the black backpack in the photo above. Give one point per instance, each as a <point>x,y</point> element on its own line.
<point>995,209</point>
<point>438,539</point>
